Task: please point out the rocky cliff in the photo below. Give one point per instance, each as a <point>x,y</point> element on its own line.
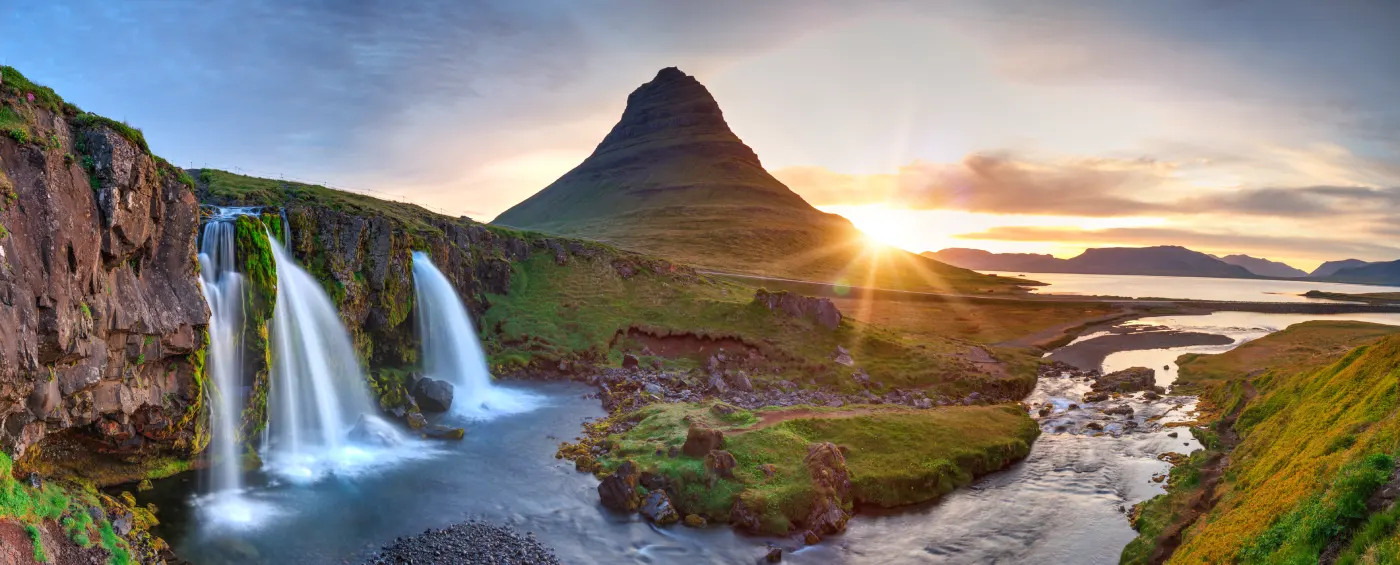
<point>102,328</point>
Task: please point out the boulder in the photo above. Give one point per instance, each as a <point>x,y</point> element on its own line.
<point>775,554</point>
<point>1094,397</point>
<point>723,410</point>
<point>652,481</point>
<point>694,521</point>
<point>371,430</point>
<point>439,431</point>
<point>810,537</point>
<point>618,491</point>
<point>659,510</point>
<point>416,420</point>
<point>843,356</point>
<point>742,517</point>
<point>860,376</point>
<point>720,463</point>
<point>655,390</point>
<point>768,469</point>
<point>1132,379</point>
<point>433,395</point>
<point>739,381</point>
<point>821,310</point>
<point>1120,409</point>
<point>831,483</point>
<point>700,441</point>
<point>629,361</point>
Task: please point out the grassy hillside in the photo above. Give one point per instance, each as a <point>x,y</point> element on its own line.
<point>672,180</point>
<point>1310,413</point>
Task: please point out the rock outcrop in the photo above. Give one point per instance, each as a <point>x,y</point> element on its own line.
<point>821,310</point>
<point>831,505</point>
<point>1132,379</point>
<point>102,332</point>
<point>618,491</point>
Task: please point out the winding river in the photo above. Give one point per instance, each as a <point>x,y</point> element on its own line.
<point>1064,504</point>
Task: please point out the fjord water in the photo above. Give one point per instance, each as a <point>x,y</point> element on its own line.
<point>451,350</point>
<point>1183,288</point>
<point>223,290</point>
<point>318,391</point>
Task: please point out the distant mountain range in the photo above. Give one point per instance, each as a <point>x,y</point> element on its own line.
<point>1168,261</point>
<point>671,179</point>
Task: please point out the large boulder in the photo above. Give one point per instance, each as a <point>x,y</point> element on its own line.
<point>1132,379</point>
<point>659,510</point>
<point>821,310</point>
<point>831,483</point>
<point>743,517</point>
<point>618,491</point>
<point>700,441</point>
<point>370,430</point>
<point>433,395</point>
<point>720,463</point>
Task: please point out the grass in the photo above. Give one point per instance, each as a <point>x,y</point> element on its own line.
<point>14,125</point>
<point>1367,297</point>
<point>575,312</point>
<point>1316,439</point>
<point>17,85</point>
<point>895,456</point>
<point>65,504</point>
<point>234,189</point>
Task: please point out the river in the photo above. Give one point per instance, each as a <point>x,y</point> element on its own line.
<point>1064,504</point>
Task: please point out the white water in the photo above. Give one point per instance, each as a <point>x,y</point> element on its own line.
<point>451,351</point>
<point>318,391</point>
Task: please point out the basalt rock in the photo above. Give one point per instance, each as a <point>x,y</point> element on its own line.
<point>700,441</point>
<point>101,316</point>
<point>433,395</point>
<point>821,310</point>
<point>618,491</point>
<point>1128,380</point>
<point>658,509</point>
<point>831,483</point>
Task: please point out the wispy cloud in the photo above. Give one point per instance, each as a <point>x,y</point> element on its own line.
<point>1216,242</point>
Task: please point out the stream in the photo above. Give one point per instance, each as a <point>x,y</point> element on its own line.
<point>1065,503</point>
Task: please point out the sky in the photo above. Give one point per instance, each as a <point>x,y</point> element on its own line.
<point>1229,126</point>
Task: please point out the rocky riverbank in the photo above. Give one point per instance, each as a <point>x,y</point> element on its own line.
<point>467,543</point>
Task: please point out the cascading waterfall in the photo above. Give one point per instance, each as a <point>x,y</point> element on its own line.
<point>318,393</point>
<point>451,351</point>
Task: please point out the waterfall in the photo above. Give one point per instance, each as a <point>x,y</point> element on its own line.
<point>319,392</point>
<point>451,351</point>
<point>223,290</point>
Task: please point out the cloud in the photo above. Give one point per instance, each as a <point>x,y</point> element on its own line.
<point>1215,242</point>
<point>995,183</point>
<point>1300,202</point>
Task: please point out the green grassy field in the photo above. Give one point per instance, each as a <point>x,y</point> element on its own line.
<point>895,455</point>
<point>1314,408</point>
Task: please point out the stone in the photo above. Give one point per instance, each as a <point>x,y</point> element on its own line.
<point>655,390</point>
<point>831,485</point>
<point>923,403</point>
<point>821,310</point>
<point>810,537</point>
<point>629,361</point>
<point>742,517</point>
<point>433,395</point>
<point>1120,409</point>
<point>768,469</point>
<point>1094,426</point>
<point>1172,434</point>
<point>658,509</point>
<point>618,491</point>
<point>1151,395</point>
<point>1132,379</point>
<point>694,521</point>
<point>371,430</point>
<point>843,357</point>
<point>700,441</point>
<point>1094,397</point>
<point>720,463</point>
<point>775,554</point>
<point>739,381</point>
<point>416,420</point>
<point>652,481</point>
<point>439,431</point>
<point>861,377</point>
<point>723,410</point>
<point>123,522</point>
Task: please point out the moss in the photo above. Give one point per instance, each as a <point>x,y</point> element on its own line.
<point>37,539</point>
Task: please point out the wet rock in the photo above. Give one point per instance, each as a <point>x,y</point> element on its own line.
<point>720,463</point>
<point>742,517</point>
<point>700,441</point>
<point>629,361</point>
<point>1094,397</point>
<point>843,357</point>
<point>1132,379</point>
<point>831,484</point>
<point>1151,395</point>
<point>443,432</point>
<point>1094,426</point>
<point>1045,410</point>
<point>810,537</point>
<point>1172,434</point>
<point>1073,407</point>
<point>1119,410</point>
<point>618,491</point>
<point>433,395</point>
<point>775,554</point>
<point>416,420</point>
<point>658,509</point>
<point>370,430</point>
<point>694,521</point>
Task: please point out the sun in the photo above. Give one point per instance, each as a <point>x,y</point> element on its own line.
<point>882,225</point>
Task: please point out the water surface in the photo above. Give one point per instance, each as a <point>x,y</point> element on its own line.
<point>1182,288</point>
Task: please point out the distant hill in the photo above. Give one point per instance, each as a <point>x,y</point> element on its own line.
<point>1331,267</point>
<point>1387,273</point>
<point>672,180</point>
<point>1264,267</point>
<point>1160,261</point>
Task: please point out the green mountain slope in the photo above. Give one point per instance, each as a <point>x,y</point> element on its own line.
<point>671,179</point>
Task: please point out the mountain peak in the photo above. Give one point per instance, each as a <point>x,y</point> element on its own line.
<point>673,109</point>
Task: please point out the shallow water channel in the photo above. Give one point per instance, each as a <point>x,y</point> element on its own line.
<point>1064,504</point>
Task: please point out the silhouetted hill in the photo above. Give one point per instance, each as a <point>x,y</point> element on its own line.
<point>1331,267</point>
<point>1160,261</point>
<point>672,180</point>
<point>1264,267</point>
<point>1387,273</point>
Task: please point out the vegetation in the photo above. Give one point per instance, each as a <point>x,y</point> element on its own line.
<point>234,189</point>
<point>895,455</point>
<point>1314,408</point>
<point>1367,297</point>
<point>65,505</point>
<point>15,84</point>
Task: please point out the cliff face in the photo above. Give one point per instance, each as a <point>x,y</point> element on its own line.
<point>102,325</point>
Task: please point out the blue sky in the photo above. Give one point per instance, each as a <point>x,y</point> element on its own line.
<point>1268,127</point>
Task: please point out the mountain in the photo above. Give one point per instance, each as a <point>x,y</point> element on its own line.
<point>1159,261</point>
<point>1331,267</point>
<point>1264,267</point>
<point>671,179</point>
<point>1387,273</point>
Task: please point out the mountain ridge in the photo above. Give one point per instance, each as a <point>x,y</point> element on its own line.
<point>1264,267</point>
<point>1167,260</point>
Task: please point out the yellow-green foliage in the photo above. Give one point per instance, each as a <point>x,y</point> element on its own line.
<point>574,311</point>
<point>895,455</point>
<point>1317,438</point>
